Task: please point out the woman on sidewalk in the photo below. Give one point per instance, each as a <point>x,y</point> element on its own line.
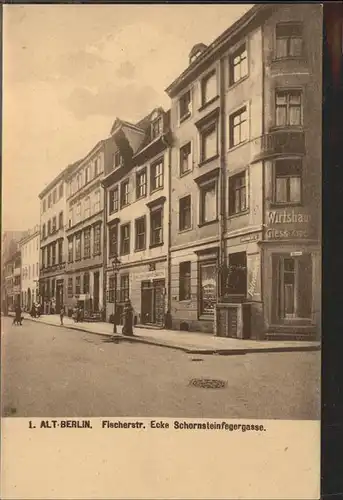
<point>62,312</point>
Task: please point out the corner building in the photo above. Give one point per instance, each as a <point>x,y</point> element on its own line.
<point>246,173</point>
<point>137,217</point>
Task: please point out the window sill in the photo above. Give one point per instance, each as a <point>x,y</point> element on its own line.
<point>238,214</point>
<point>139,249</point>
<point>122,254</point>
<point>155,245</point>
<point>286,128</point>
<point>208,103</point>
<point>183,174</point>
<point>141,197</point>
<point>241,80</point>
<point>124,205</point>
<point>111,212</point>
<point>208,223</point>
<point>208,160</point>
<point>181,231</point>
<point>184,118</point>
<point>233,148</point>
<point>276,59</point>
<point>153,191</point>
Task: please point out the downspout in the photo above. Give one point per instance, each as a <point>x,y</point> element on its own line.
<point>263,173</point>
<point>104,252</point>
<point>168,145</point>
<point>222,177</point>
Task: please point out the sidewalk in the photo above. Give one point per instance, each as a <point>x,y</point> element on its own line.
<point>189,342</point>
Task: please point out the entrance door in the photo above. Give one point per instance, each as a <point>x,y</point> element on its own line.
<point>158,309</point>
<point>59,295</point>
<point>147,302</point>
<point>295,297</point>
<point>96,291</point>
<point>153,302</point>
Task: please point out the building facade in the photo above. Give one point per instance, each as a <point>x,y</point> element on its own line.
<point>246,171</point>
<point>30,250</point>
<point>137,218</point>
<point>53,248</point>
<point>12,276</point>
<point>84,284</point>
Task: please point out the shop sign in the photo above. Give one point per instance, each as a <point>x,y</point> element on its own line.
<point>249,238</point>
<point>254,276</point>
<point>288,217</point>
<point>151,275</point>
<point>275,234</point>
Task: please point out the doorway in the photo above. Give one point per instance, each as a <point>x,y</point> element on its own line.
<point>152,295</point>
<point>96,291</point>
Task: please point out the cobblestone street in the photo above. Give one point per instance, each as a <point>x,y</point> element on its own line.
<point>56,372</point>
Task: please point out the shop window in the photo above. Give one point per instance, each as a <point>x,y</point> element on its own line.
<point>185,281</point>
<point>288,108</point>
<point>124,287</point>
<point>114,200</point>
<point>70,287</point>
<point>113,240</point>
<point>238,127</point>
<point>157,175</point>
<point>140,236</point>
<point>209,88</point>
<point>97,240</point>
<point>292,287</point>
<point>238,64</point>
<point>288,181</point>
<point>208,202</point>
<point>86,283</point>
<point>124,193</point>
<point>185,213</point>
<point>289,40</point>
<point>207,284</point>
<point>185,106</point>
<point>77,285</point>
<point>156,227</point>
<point>125,239</point>
<point>141,184</point>
<point>209,142</point>
<point>70,249</point>
<point>236,277</point>
<point>87,244</point>
<point>185,158</point>
<point>237,193</point>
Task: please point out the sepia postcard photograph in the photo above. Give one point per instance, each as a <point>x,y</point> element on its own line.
<point>161,243</point>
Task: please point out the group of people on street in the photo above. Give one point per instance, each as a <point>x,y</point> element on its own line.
<point>35,310</point>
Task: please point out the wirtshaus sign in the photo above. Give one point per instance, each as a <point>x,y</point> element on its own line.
<point>288,224</point>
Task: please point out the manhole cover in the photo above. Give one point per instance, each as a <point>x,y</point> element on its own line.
<point>208,383</point>
<point>197,359</point>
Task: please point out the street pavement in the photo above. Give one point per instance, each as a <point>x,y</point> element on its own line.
<point>51,371</point>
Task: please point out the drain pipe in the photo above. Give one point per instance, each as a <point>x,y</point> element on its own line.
<point>104,251</point>
<point>167,143</point>
<point>222,177</point>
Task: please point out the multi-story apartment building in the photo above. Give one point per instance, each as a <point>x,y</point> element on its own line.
<point>245,118</point>
<point>137,217</point>
<point>30,249</point>
<point>85,200</point>
<point>52,242</point>
<point>12,276</point>
<point>9,246</point>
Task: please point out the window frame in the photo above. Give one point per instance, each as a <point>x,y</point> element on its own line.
<point>97,239</point>
<point>203,133</point>
<point>124,291</point>
<point>185,276</point>
<point>159,120</point>
<point>244,108</point>
<point>300,176</point>
<point>288,38</point>
<point>139,174</point>
<point>233,192</point>
<point>87,247</point>
<point>187,115</point>
<point>158,209</point>
<point>189,157</point>
<point>203,263</point>
<point>125,251</point>
<point>123,184</point>
<point>153,177</point>
<point>78,254</point>
<point>70,287</point>
<point>113,230</point>
<point>205,79</point>
<point>143,246</point>
<point>203,187</point>
<point>288,106</point>
<point>184,228</point>
<point>232,56</point>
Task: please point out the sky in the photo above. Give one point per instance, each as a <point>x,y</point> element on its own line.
<point>70,70</point>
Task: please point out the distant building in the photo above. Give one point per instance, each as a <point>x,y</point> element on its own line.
<point>12,285</point>
<point>137,217</point>
<point>30,250</point>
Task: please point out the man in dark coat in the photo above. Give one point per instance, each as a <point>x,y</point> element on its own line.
<point>18,318</point>
<point>128,320</point>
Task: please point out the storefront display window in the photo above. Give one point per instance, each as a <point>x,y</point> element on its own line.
<point>208,284</point>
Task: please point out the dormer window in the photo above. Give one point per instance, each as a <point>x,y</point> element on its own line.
<point>118,160</point>
<point>156,127</point>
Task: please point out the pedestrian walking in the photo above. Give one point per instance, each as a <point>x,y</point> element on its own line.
<point>128,319</point>
<point>62,312</point>
<point>18,317</point>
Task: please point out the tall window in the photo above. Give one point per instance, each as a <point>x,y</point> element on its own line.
<point>185,281</point>
<point>97,241</point>
<point>238,127</point>
<point>53,252</point>
<point>156,227</point>
<point>54,196</point>
<point>77,285</point>
<point>60,219</point>
<point>44,231</point>
<point>140,233</point>
<point>87,207</point>
<point>96,201</point>
<point>44,205</point>
<point>96,167</point>
<point>237,193</point>
<point>288,181</point>
<point>49,226</point>
<point>78,246</point>
<point>113,240</point>
<point>288,108</point>
<point>54,224</point>
<point>49,201</point>
<point>117,159</point>
<point>43,254</point>
<point>70,249</point>
<point>61,190</point>
<point>208,142</point>
<point>111,289</point>
<point>60,251</point>
<point>157,175</point>
<point>49,255</point>
<point>141,184</point>
<point>87,174</point>
<point>185,213</point>
<point>209,88</point>
<point>289,40</point>
<point>236,278</point>
<point>124,193</point>
<point>208,202</point>
<point>86,283</point>
<point>124,287</point>
<point>156,128</point>
<point>87,243</point>
<point>185,106</point>
<point>78,212</point>
<point>185,158</point>
<point>208,275</point>
<point>238,65</point>
<point>114,200</point>
<point>125,239</point>
<point>71,217</point>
